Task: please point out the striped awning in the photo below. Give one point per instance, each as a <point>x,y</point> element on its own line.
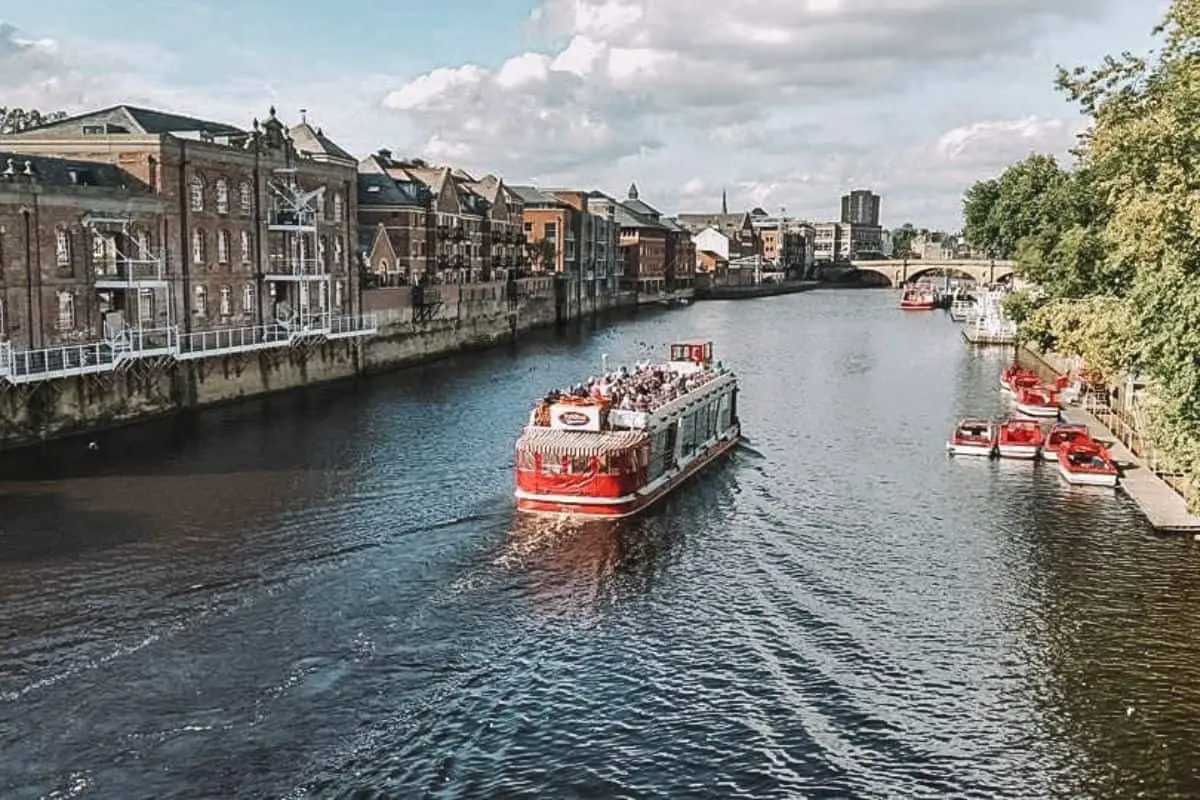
<point>579,443</point>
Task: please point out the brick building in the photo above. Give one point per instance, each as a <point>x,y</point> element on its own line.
<point>77,252</point>
<point>257,226</point>
<point>435,224</point>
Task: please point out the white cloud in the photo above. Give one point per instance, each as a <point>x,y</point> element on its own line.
<point>645,88</point>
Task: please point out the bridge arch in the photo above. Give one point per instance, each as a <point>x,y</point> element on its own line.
<point>895,273</point>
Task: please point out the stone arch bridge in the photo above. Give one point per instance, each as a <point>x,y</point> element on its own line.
<point>898,272</point>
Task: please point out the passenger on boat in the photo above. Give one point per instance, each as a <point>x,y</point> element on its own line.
<point>646,388</point>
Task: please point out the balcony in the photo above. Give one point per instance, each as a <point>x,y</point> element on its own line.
<point>29,366</point>
<point>134,343</point>
<point>290,268</point>
<point>129,274</point>
<point>225,341</point>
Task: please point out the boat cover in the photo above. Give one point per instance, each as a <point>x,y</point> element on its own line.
<point>579,443</point>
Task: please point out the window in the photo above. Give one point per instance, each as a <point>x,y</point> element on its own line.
<point>323,296</point>
<point>321,204</point>
<point>197,246</point>
<point>222,247</point>
<point>94,130</point>
<point>322,250</point>
<point>3,326</point>
<point>66,311</point>
<point>338,210</point>
<point>146,307</point>
<point>104,252</point>
<point>196,192</point>
<point>142,241</point>
<point>248,298</point>
<point>338,291</point>
<point>200,301</point>
<point>245,246</point>
<point>246,199</point>
<point>226,301</point>
<point>222,196</point>
<point>337,251</point>
<point>62,247</point>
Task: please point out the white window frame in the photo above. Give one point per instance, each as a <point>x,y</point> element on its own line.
<point>196,193</point>
<point>200,301</point>
<point>198,246</point>
<point>248,298</point>
<point>222,196</point>
<point>226,302</point>
<point>66,311</point>
<point>222,247</point>
<point>246,199</point>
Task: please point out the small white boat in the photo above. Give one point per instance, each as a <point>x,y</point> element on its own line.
<point>1019,438</point>
<point>1038,401</point>
<point>973,437</point>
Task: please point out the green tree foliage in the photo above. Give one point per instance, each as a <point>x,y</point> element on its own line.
<point>1114,246</point>
<point>15,120</point>
<point>542,254</point>
<point>902,239</point>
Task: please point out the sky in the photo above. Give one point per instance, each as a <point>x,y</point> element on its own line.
<point>783,104</point>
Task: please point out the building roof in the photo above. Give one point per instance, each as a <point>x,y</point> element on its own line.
<point>50,171</point>
<point>719,221</point>
<point>532,196</point>
<point>133,119</point>
<point>315,144</point>
<point>628,218</point>
<point>378,189</point>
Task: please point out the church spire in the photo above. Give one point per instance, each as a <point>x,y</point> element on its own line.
<point>724,203</point>
<point>633,192</point>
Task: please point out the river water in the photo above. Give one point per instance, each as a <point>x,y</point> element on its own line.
<point>328,595</point>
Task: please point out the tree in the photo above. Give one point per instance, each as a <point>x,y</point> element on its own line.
<point>1142,153</point>
<point>542,253</point>
<point>902,239</point>
<point>15,120</point>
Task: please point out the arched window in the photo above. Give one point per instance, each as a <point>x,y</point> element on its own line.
<point>226,301</point>
<point>200,301</point>
<point>222,247</point>
<point>248,298</point>
<point>246,199</point>
<point>198,246</point>
<point>245,246</point>
<point>222,196</point>
<point>196,192</point>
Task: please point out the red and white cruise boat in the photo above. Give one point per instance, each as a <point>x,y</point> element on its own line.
<point>1087,464</point>
<point>1064,434</point>
<point>973,437</point>
<point>1038,401</point>
<point>917,300</point>
<point>1019,438</point>
<point>614,448</point>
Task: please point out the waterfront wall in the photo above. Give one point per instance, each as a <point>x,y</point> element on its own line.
<point>463,317</point>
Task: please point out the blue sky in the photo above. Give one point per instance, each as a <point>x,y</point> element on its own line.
<point>779,102</point>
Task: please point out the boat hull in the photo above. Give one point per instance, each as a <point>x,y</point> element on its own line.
<point>1025,451</point>
<point>1079,478</point>
<point>984,450</point>
<point>1042,412</point>
<point>630,505</point>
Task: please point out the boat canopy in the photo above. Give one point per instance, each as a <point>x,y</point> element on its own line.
<point>580,443</point>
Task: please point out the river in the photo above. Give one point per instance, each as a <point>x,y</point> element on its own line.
<point>327,594</point>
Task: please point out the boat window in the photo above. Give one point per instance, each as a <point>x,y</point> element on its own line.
<point>525,460</point>
<point>580,465</point>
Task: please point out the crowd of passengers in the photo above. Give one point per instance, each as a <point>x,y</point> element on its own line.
<point>644,389</point>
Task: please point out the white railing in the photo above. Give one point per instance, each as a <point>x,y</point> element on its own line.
<point>26,366</point>
<point>347,325</point>
<point>141,342</point>
<point>290,266</point>
<point>200,344</point>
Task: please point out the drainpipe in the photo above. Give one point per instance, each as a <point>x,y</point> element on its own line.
<point>34,321</point>
<point>260,286</point>
<point>184,233</point>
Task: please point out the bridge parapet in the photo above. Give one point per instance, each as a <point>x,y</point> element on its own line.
<point>898,272</point>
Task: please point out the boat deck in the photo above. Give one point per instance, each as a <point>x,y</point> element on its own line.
<point>1161,504</point>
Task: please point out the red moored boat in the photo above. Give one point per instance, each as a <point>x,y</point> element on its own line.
<point>917,300</point>
<point>616,446</point>
<point>1014,377</point>
<point>1087,464</point>
<point>973,437</point>
<point>1019,438</point>
<point>1037,401</point>
<point>1064,434</point>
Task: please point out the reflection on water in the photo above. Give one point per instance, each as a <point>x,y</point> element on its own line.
<point>329,594</point>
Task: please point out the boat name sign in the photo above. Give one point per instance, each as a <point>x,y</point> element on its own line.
<point>574,418</point>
